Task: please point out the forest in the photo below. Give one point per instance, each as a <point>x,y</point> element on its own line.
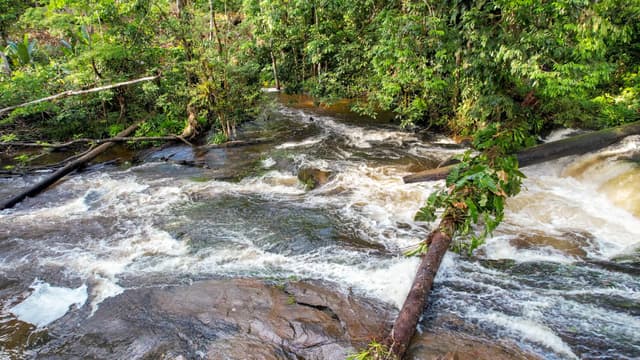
<point>496,76</point>
<point>458,66</point>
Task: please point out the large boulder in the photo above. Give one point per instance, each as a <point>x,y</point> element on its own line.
<point>313,178</point>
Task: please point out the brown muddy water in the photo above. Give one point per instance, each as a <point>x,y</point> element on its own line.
<point>136,250</point>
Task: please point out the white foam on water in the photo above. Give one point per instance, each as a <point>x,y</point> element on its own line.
<point>357,136</point>
<point>377,200</point>
<point>621,292</point>
<point>71,208</point>
<point>103,288</point>
<point>597,320</point>
<point>530,330</point>
<point>272,184</point>
<point>47,303</point>
<point>386,279</point>
<point>561,134</point>
<point>270,90</point>
<point>555,204</point>
<point>268,163</point>
<point>304,143</point>
<point>499,247</point>
<point>434,151</point>
<point>102,194</point>
<point>102,261</point>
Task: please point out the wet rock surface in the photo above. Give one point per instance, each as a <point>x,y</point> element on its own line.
<point>443,345</point>
<point>245,319</point>
<point>222,319</point>
<point>313,178</point>
<point>570,243</point>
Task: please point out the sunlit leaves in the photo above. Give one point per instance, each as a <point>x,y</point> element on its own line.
<point>475,192</point>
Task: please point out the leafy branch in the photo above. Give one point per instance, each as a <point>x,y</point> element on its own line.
<point>475,191</point>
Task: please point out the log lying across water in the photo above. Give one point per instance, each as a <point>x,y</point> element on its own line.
<point>550,151</point>
<point>405,325</point>
<point>237,143</point>
<point>439,240</point>
<point>70,167</point>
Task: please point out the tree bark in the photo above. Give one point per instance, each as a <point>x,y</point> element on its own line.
<point>211,15</point>
<point>546,152</point>
<point>236,143</point>
<point>216,33</point>
<point>6,68</point>
<point>275,70</point>
<point>78,92</point>
<point>53,178</point>
<point>405,325</point>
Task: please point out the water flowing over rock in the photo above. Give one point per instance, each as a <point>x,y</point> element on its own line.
<point>569,243</point>
<point>558,279</point>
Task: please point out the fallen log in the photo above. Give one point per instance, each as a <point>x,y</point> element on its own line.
<point>69,93</point>
<point>439,240</point>
<point>70,167</point>
<point>228,144</point>
<point>546,152</point>
<point>94,141</point>
<point>405,325</point>
<point>237,143</point>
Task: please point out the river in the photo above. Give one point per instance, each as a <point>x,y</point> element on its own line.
<point>560,278</point>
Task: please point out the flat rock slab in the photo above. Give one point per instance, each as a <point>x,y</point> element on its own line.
<point>223,319</point>
<point>244,319</point>
<point>444,345</point>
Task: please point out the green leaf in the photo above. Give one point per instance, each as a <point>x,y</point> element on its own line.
<point>426,214</point>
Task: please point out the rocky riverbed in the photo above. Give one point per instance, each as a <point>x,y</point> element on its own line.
<point>244,319</point>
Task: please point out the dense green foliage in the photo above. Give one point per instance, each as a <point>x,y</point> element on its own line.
<point>476,190</point>
<point>209,76</point>
<point>463,64</point>
<point>456,64</point>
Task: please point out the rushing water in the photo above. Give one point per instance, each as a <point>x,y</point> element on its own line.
<point>561,276</point>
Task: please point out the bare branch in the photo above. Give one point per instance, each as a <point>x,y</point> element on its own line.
<point>69,93</point>
<point>94,141</point>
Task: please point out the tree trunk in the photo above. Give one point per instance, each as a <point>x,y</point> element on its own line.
<point>53,178</point>
<point>123,105</point>
<point>191,126</point>
<point>275,70</point>
<point>6,68</point>
<point>211,14</point>
<point>550,151</point>
<point>179,6</point>
<point>405,325</point>
<point>216,33</point>
<point>95,69</point>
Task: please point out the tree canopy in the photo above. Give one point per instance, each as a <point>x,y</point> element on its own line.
<point>459,65</point>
